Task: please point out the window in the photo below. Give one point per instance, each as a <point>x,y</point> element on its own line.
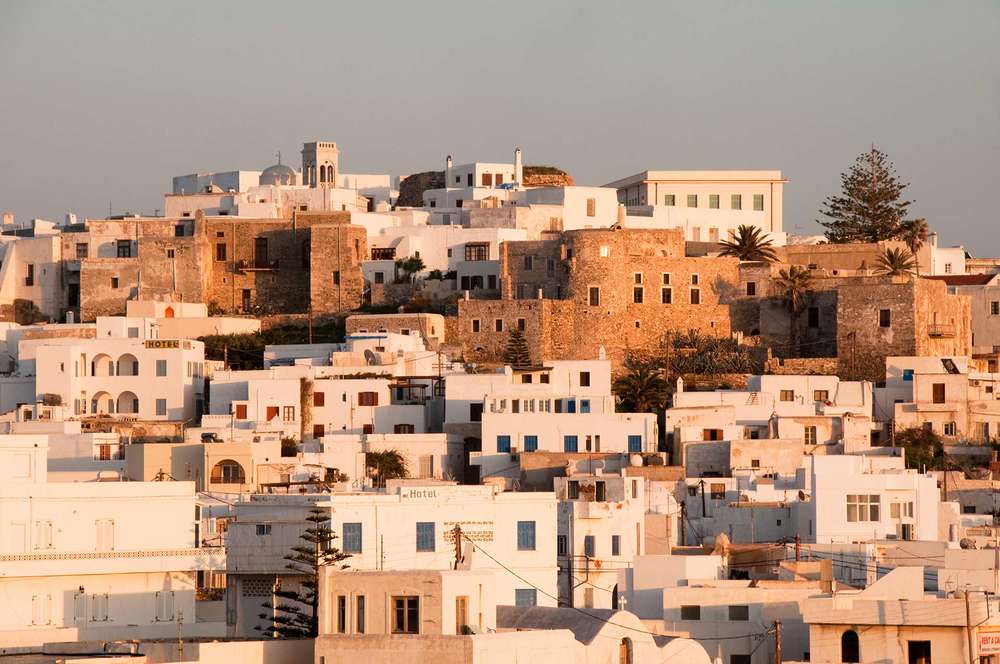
<point>525,535</point>
<point>907,375</point>
<point>690,612</point>
<point>666,295</point>
<point>241,411</point>
<point>475,325</point>
<point>605,251</point>
<point>498,325</point>
<point>862,507</point>
<point>406,615</point>
<point>531,443</point>
<point>938,392</point>
<point>821,395</point>
<point>589,546</point>
<point>751,288</point>
<point>560,545</point>
<point>161,367</point>
<point>227,472</point>
<point>947,268</point>
<point>595,296</point>
<point>319,399</point>
<point>669,199</point>
<point>634,444</point>
<point>918,652</point>
<point>637,295</point>
<point>288,414</point>
<point>403,428</point>
<point>367,398</point>
<point>529,262</point>
<point>170,253</point>
<point>525,597</point>
<point>692,200</point>
<point>758,202</point>
<point>82,250</point>
<point>995,308</point>
<point>263,529</point>
<point>736,202</point>
<point>787,395</point>
<point>695,296</point>
<point>809,435</point>
<point>342,614</point>
<point>713,201</point>
<point>477,251</point>
<point>570,444</point>
<point>584,379</point>
<point>616,545</point>
<point>164,606</point>
<point>425,536</point>
<point>352,537</point>
<point>591,207</point>
<point>717,491</point>
<point>850,650</point>
<point>161,407</point>
<point>114,282</point>
<point>884,318</point>
<point>739,612</point>
<point>123,248</point>
<point>949,428</point>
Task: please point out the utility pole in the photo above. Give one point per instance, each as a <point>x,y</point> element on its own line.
<point>968,627</point>
<point>704,511</point>
<point>777,642</point>
<point>225,356</point>
<point>798,548</point>
<point>683,520</point>
<point>310,324</point>
<point>458,545</point>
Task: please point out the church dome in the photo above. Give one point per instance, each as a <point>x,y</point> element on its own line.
<point>278,174</point>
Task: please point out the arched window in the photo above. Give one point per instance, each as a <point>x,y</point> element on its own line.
<point>128,365</point>
<point>625,651</point>
<point>128,403</point>
<point>169,313</point>
<point>614,598</point>
<point>322,173</point>
<point>228,471</point>
<point>850,649</point>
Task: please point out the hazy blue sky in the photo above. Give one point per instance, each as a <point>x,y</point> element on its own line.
<point>109,100</point>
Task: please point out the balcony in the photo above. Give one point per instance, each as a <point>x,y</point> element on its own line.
<point>941,331</point>
<point>256,265</point>
<point>48,562</point>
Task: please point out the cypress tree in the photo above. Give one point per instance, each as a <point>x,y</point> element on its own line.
<point>517,354</point>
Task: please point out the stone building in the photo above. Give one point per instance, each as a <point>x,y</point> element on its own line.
<point>583,290</point>
<point>234,265</point>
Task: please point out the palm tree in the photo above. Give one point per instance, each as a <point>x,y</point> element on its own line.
<point>914,233</point>
<point>386,465</point>
<point>896,261</point>
<point>410,267</point>
<point>642,389</point>
<point>749,244</point>
<point>794,283</point>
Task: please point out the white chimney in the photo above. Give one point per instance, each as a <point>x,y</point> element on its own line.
<point>447,172</point>
<point>518,167</point>
<point>621,214</point>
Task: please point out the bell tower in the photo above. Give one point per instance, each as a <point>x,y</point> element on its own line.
<point>320,164</point>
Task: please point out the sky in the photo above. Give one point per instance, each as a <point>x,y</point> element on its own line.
<point>107,101</point>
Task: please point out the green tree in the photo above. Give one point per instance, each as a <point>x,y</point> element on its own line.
<point>516,354</point>
<point>295,613</point>
<point>410,267</point>
<point>895,261</point>
<point>870,207</point>
<point>749,244</point>
<point>387,465</point>
<point>923,448</point>
<point>794,284</point>
<point>914,233</point>
<point>642,388</point>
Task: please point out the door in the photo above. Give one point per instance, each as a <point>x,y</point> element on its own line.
<point>272,412</point>
<point>461,614</point>
<point>918,652</point>
<point>246,299</point>
<point>260,252</point>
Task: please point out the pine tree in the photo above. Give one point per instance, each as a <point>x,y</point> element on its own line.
<point>870,207</point>
<point>517,354</point>
<point>295,613</point>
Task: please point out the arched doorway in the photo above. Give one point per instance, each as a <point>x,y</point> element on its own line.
<point>128,403</point>
<point>625,651</point>
<point>128,365</point>
<point>102,403</point>
<point>102,365</point>
<point>850,649</point>
<point>169,312</point>
<point>227,471</point>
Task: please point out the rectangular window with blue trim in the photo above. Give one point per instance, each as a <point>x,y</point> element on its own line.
<point>588,546</point>
<point>425,535</point>
<point>907,375</point>
<point>584,405</point>
<point>352,538</point>
<point>634,444</point>
<point>525,597</point>
<point>570,444</point>
<point>525,535</point>
<point>571,405</point>
<point>531,443</point>
<point>503,443</point>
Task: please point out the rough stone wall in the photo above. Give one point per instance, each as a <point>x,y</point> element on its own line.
<point>430,326</point>
<point>97,295</point>
<point>548,271</point>
<point>336,282</point>
<point>944,320</point>
<point>548,329</point>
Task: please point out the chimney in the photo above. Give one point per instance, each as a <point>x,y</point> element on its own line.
<point>518,167</point>
<point>933,237</point>
<point>447,172</point>
<point>8,218</point>
<point>621,214</point>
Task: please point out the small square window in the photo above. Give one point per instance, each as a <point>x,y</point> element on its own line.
<point>637,294</point>
<point>739,612</point>
<point>666,278</point>
<point>690,612</point>
<point>713,201</point>
<point>521,324</point>
<point>605,251</point>
<point>114,282</point>
<point>637,277</point>
<point>695,296</point>
<point>758,202</point>
<point>694,279</point>
<point>498,325</point>
<point>584,379</point>
<point>666,296</point>
<point>475,324</point>
<point>787,395</point>
<point>751,288</point>
<point>669,199</point>
<point>884,318</point>
<point>736,202</point>
<point>692,200</point>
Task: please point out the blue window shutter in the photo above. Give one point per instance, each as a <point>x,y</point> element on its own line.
<point>525,597</point>
<point>634,444</point>
<point>588,546</point>
<point>584,405</point>
<point>352,537</point>
<point>503,443</point>
<point>425,536</point>
<point>525,535</point>
<point>569,444</point>
<point>571,405</point>
<point>531,443</point>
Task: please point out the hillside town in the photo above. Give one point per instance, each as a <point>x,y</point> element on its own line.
<point>484,414</point>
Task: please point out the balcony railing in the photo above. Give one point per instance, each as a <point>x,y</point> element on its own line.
<point>256,265</point>
<point>941,330</point>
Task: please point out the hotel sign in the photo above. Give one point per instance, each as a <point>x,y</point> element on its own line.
<point>163,343</point>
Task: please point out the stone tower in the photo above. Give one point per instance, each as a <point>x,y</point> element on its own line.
<point>320,164</point>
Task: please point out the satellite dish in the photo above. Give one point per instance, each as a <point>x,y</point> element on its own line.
<point>371,359</point>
